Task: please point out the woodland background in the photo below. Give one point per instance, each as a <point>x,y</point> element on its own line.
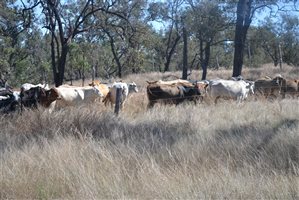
<point>55,41</point>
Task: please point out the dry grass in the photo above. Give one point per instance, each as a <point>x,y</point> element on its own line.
<point>247,151</point>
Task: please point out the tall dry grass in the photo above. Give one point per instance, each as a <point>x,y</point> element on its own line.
<point>247,151</point>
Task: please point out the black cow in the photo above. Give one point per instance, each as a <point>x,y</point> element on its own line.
<point>38,95</point>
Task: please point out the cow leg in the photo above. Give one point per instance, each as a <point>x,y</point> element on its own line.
<point>195,99</point>
<point>111,104</point>
<point>200,99</point>
<point>206,99</point>
<point>283,94</point>
<point>52,106</point>
<point>240,99</point>
<point>121,105</point>
<point>150,104</point>
<point>216,99</point>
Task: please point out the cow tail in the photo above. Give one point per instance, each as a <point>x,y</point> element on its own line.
<point>182,91</point>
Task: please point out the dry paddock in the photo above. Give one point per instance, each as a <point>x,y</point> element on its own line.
<point>189,151</point>
<point>247,151</point>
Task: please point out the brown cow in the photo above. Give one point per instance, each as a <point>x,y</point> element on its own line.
<point>269,87</point>
<point>289,87</point>
<point>172,93</point>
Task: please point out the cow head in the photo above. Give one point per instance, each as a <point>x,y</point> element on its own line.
<point>97,91</point>
<point>132,87</point>
<point>250,86</point>
<point>46,97</point>
<point>238,78</point>
<point>52,95</point>
<point>280,82</point>
<point>202,87</point>
<point>94,83</point>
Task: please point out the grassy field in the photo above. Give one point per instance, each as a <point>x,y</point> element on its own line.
<point>223,151</point>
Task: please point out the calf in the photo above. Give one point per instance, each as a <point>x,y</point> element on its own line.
<point>126,88</point>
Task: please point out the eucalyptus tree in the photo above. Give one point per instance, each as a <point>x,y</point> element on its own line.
<point>124,36</point>
<point>208,23</point>
<point>65,20</point>
<point>290,39</point>
<point>14,24</point>
<point>268,40</point>
<point>246,10</point>
<point>169,13</point>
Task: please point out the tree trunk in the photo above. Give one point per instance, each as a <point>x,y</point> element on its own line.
<point>169,55</point>
<point>249,54</point>
<point>116,58</point>
<point>61,65</point>
<point>206,60</point>
<point>217,61</point>
<point>97,70</point>
<point>242,25</point>
<point>185,54</point>
<point>280,56</point>
<point>53,55</point>
<point>83,75</point>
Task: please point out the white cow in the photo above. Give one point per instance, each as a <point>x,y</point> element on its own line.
<point>127,88</point>
<point>72,96</point>
<point>237,90</point>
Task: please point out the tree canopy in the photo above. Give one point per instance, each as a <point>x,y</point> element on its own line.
<point>57,40</point>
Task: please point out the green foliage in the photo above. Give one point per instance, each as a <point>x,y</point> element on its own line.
<point>266,39</point>
<point>138,45</point>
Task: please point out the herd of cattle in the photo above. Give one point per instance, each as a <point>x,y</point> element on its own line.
<point>173,92</point>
